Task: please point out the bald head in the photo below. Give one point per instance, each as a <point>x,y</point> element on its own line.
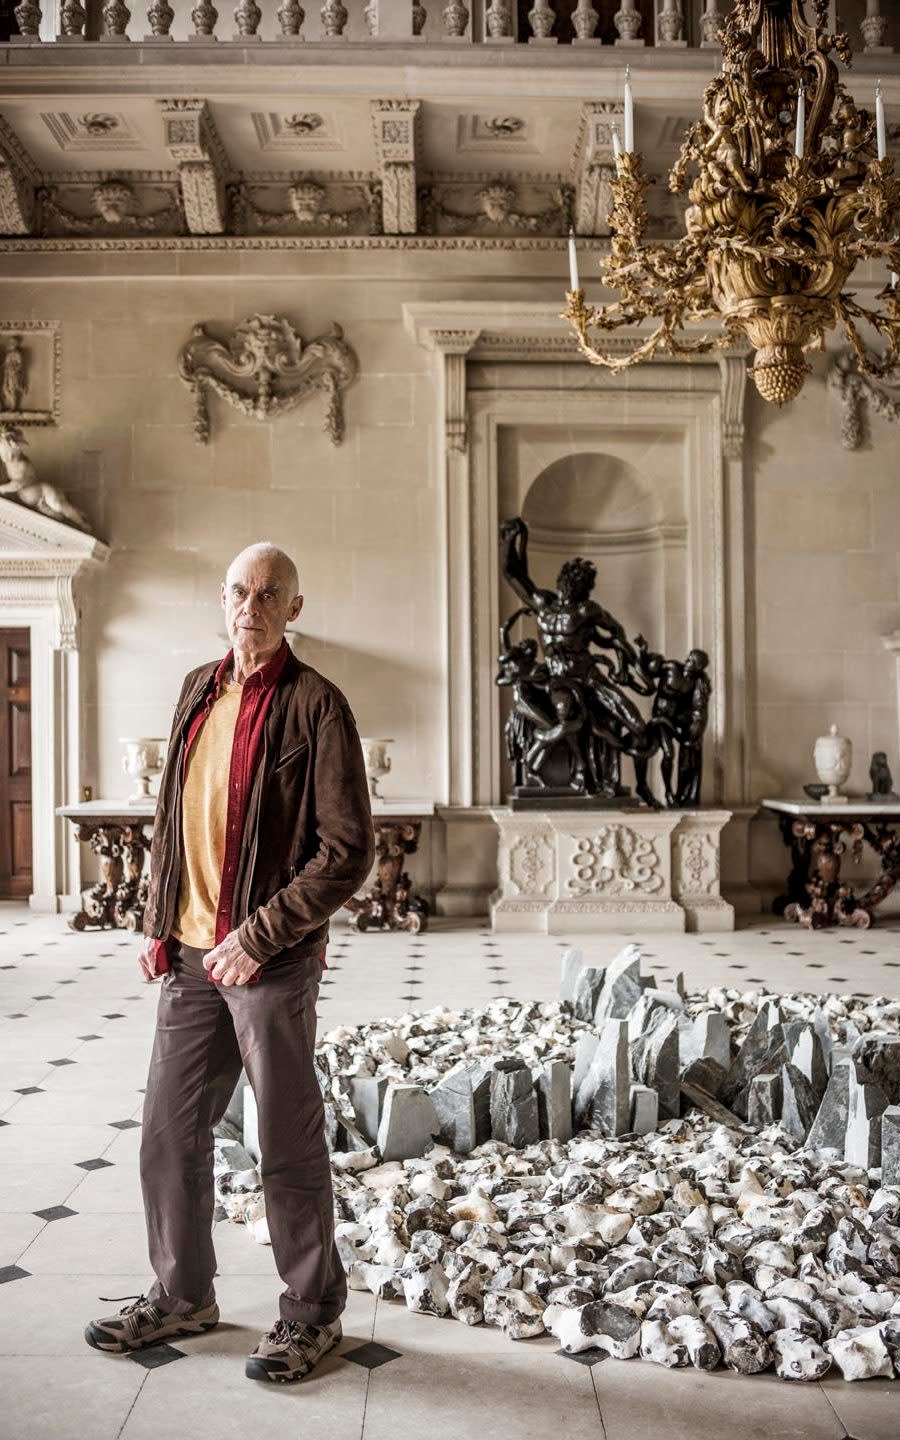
<point>260,597</point>
<point>263,552</point>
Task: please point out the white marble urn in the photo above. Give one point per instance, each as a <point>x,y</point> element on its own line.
<point>833,756</point>
<point>142,760</point>
<point>377,762</point>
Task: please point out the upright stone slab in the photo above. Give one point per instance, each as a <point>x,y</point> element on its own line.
<point>585,1050</point>
<point>807,1056</point>
<point>764,1101</point>
<point>621,986</point>
<point>603,1100</point>
<point>409,1123</point>
<point>644,1110</point>
<point>798,1102</point>
<point>746,1063</point>
<point>480,1072</point>
<point>654,1062</point>
<point>571,966</point>
<point>706,1038</point>
<point>367,1094</point>
<point>890,1146</point>
<point>829,1129</point>
<point>454,1106</point>
<point>881,1056</point>
<point>514,1108</point>
<point>553,1088</point>
<point>587,992</point>
<point>866,1103</point>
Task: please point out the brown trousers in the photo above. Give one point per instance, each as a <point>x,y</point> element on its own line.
<point>205,1032</point>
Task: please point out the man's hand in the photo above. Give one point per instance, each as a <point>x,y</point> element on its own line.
<point>230,963</point>
<point>147,958</point>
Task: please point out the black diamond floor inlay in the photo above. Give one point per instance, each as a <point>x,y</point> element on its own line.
<point>93,1164</point>
<point>116,1015</point>
<point>54,1212</point>
<point>61,1062</point>
<point>409,997</point>
<point>42,997</point>
<point>12,1272</point>
<point>125,1124</point>
<point>30,1090</point>
<point>371,1355</point>
<point>19,1015</point>
<point>88,967</point>
<point>585,1357</point>
<point>152,1356</point>
<point>66,982</point>
<point>90,1037</point>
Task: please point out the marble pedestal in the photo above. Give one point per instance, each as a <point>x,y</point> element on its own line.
<point>634,870</point>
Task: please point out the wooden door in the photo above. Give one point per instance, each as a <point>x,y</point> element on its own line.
<point>15,764</point>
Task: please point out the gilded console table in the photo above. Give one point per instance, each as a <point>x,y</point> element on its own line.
<point>115,832</point>
<point>819,835</point>
<point>390,903</point>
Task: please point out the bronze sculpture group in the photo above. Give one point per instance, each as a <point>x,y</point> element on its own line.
<point>572,716</point>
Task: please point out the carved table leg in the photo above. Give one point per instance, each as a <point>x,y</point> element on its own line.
<point>390,904</point>
<point>798,880</point>
<point>828,899</point>
<point>886,844</point>
<point>117,901</point>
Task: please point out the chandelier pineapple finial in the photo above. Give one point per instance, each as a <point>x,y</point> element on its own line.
<point>789,187</point>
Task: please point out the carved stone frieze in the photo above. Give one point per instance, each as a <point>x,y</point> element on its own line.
<point>264,368</point>
<point>495,205</point>
<point>342,207</point>
<point>111,206</point>
<point>617,860</point>
<point>531,862</point>
<point>19,178</point>
<point>397,129</point>
<point>193,142</point>
<point>595,869</point>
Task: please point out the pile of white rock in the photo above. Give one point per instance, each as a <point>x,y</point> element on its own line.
<point>699,1180</point>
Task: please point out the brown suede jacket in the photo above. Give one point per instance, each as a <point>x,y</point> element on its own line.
<point>308,840</point>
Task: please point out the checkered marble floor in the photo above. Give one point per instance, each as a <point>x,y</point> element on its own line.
<point>76,1025</point>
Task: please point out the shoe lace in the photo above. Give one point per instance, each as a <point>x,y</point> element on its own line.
<point>289,1332</point>
<point>138,1300</point>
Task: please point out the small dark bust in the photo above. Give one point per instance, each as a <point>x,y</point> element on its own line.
<point>881,778</point>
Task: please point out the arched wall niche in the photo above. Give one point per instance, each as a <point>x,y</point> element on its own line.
<point>602,507</point>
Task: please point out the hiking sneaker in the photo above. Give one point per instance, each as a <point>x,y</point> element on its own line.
<point>291,1349</point>
<point>140,1323</point>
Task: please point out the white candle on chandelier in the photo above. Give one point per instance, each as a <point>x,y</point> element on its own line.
<point>573,263</point>
<point>800,142</point>
<point>880,125</point>
<point>617,144</point>
<point>629,113</point>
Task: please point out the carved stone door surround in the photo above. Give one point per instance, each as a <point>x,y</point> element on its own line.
<point>40,559</point>
<point>704,400</point>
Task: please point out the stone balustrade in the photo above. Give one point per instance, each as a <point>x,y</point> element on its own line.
<point>629,24</point>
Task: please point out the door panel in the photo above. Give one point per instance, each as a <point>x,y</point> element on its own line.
<point>15,765</point>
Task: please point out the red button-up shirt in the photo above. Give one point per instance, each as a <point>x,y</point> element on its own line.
<point>256,696</point>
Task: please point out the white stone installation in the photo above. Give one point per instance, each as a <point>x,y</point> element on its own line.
<point>693,1180</point>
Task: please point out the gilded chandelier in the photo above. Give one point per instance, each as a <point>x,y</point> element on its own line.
<point>791,189</point>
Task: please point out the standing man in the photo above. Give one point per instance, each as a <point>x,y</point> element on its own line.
<point>263,829</point>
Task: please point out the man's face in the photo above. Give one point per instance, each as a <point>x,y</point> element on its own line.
<point>258,604</point>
